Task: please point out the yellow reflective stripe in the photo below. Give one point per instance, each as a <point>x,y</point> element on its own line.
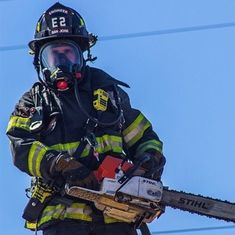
<point>109,220</point>
<point>36,154</point>
<point>105,144</point>
<point>109,142</point>
<point>86,151</point>
<point>38,27</point>
<point>132,126</point>
<point>76,211</point>
<point>51,212</point>
<point>30,225</point>
<point>78,216</point>
<point>69,147</point>
<point>82,23</point>
<point>20,122</point>
<point>150,144</point>
<point>135,131</point>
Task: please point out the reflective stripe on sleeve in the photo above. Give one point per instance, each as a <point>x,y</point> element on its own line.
<point>150,144</point>
<point>135,131</point>
<point>19,122</point>
<point>36,153</point>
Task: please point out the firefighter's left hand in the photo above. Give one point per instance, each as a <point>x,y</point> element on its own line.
<point>154,166</point>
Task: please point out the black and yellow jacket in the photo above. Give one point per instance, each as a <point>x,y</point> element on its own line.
<point>31,150</point>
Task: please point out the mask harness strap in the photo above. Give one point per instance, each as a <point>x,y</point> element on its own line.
<point>94,122</point>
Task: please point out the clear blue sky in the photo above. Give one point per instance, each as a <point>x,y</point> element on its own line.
<point>184,82</point>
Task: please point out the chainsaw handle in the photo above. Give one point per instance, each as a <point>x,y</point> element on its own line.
<point>144,158</point>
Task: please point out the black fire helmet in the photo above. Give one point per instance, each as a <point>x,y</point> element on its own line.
<point>60,22</point>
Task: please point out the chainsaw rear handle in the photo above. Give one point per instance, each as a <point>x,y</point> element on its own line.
<point>141,160</point>
<point>129,173</point>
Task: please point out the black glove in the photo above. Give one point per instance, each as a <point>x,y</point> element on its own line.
<point>154,165</point>
<point>72,171</point>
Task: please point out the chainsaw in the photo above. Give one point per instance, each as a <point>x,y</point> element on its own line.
<point>139,200</point>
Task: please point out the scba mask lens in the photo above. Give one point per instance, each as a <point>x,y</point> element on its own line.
<point>60,61</point>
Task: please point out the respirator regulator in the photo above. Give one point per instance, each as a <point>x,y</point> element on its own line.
<point>61,62</point>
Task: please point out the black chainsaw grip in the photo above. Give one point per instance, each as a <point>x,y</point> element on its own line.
<point>131,171</point>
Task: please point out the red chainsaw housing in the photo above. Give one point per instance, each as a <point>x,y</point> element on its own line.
<point>108,168</point>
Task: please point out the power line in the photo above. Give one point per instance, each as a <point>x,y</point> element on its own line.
<point>12,48</point>
<point>143,34</point>
<point>168,31</point>
<point>192,230</point>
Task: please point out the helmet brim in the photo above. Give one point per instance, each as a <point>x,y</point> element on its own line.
<point>83,42</point>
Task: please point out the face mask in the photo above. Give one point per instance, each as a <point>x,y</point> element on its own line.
<point>61,62</point>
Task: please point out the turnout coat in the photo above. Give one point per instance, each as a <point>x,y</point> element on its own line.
<point>32,149</point>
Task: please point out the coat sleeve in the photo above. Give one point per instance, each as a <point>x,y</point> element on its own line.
<point>29,154</point>
<point>138,133</point>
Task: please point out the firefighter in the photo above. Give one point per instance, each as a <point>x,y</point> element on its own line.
<point>68,122</point>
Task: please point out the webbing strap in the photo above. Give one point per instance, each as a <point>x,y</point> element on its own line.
<point>89,138</point>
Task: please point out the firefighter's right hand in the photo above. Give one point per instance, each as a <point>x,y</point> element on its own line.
<point>73,171</point>
<point>82,177</point>
<point>61,163</point>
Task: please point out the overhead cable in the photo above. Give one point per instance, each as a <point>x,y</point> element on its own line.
<point>12,48</point>
<point>192,230</point>
<point>143,34</point>
<point>167,31</point>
